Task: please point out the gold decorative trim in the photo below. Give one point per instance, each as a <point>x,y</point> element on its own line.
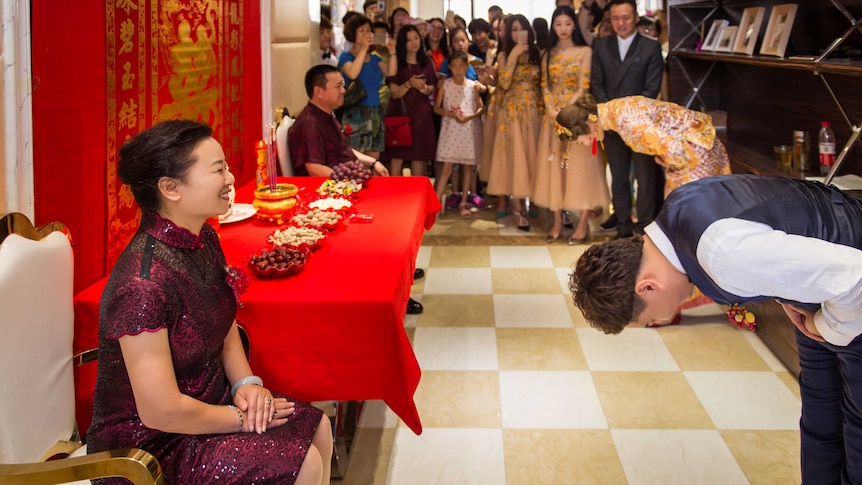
<point>18,223</point>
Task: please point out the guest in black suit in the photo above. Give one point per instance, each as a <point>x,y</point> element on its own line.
<point>628,64</point>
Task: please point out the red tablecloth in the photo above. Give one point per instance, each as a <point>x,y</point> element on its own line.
<point>335,330</point>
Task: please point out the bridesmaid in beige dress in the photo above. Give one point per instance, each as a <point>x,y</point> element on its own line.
<point>518,119</point>
<point>569,176</point>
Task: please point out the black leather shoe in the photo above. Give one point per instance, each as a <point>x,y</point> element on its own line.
<point>414,307</point>
<point>418,274</point>
<point>610,224</point>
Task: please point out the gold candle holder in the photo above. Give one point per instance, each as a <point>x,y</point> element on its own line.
<point>275,206</point>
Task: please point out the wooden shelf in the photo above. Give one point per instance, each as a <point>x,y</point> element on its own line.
<point>845,67</point>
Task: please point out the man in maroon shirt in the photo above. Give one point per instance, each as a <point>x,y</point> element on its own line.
<point>316,141</point>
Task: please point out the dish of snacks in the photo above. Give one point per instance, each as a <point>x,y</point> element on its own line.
<point>278,262</point>
<point>331,203</point>
<point>296,237</point>
<point>317,218</point>
<point>343,187</point>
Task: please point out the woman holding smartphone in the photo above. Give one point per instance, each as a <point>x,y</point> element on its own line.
<point>411,87</point>
<point>359,64</point>
<point>518,120</point>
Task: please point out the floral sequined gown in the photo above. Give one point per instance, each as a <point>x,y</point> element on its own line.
<point>568,175</point>
<point>683,137</point>
<point>517,129</point>
<point>168,277</point>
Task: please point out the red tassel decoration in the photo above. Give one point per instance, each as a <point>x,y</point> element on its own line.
<point>594,148</point>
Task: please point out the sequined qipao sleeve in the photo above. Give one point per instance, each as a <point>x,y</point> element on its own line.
<point>137,306</point>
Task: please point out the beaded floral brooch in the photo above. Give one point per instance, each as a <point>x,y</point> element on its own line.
<point>237,280</point>
<point>741,317</point>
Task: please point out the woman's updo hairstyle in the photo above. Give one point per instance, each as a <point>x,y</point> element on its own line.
<point>164,150</point>
<point>574,116</point>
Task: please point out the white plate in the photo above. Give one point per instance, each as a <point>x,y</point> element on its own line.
<point>240,212</point>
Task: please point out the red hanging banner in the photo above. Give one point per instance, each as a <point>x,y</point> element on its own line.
<point>169,59</point>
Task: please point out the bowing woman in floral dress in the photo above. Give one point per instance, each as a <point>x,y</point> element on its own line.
<point>518,120</point>
<point>173,378</point>
<point>569,176</point>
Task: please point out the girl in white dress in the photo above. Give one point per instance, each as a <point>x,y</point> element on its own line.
<point>460,139</point>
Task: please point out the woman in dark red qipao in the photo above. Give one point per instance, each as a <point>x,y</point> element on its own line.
<point>173,378</point>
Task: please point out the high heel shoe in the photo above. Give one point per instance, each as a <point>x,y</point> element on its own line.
<point>573,241</point>
<point>552,238</point>
<point>523,223</point>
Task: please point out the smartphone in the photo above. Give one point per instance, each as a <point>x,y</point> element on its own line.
<point>381,6</point>
<point>379,38</point>
<point>523,36</point>
<point>450,17</point>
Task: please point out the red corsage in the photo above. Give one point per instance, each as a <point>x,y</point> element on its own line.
<point>741,317</point>
<point>237,280</point>
<point>347,130</point>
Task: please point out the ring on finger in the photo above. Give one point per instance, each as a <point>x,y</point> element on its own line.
<point>268,401</point>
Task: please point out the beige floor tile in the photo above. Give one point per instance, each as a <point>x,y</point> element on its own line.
<point>460,348</point>
<point>578,319</point>
<point>561,457</point>
<point>550,400</point>
<point>524,281</point>
<point>459,399</point>
<point>411,332</point>
<point>457,281</point>
<point>457,311</point>
<point>369,457</point>
<point>418,286</point>
<point>565,256</point>
<point>649,400</point>
<point>711,347</point>
<point>766,457</point>
<point>449,224</point>
<point>746,399</point>
<point>460,257</point>
<point>539,349</point>
<point>791,382</point>
<point>447,456</point>
<point>531,311</point>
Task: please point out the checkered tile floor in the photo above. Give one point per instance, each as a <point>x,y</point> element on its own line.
<point>517,389</point>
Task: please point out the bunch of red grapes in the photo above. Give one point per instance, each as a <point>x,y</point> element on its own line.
<point>280,257</point>
<point>354,171</point>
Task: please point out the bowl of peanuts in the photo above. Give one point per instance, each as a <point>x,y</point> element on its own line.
<point>318,219</point>
<point>297,237</point>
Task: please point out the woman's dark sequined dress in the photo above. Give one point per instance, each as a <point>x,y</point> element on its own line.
<point>168,277</point>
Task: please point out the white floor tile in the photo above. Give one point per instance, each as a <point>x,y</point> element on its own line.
<point>550,400</point>
<point>520,257</point>
<point>746,400</point>
<point>376,414</point>
<point>531,311</point>
<point>563,275</point>
<point>464,348</point>
<point>635,349</point>
<point>447,456</point>
<point>681,457</point>
<point>458,281</point>
<point>423,258</point>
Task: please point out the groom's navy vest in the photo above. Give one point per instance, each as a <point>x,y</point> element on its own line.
<point>794,206</point>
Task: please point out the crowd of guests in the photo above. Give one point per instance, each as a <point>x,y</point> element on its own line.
<point>483,97</point>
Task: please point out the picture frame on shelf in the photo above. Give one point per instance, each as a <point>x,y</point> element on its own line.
<point>778,30</point>
<point>712,36</point>
<point>726,38</point>
<point>749,30</point>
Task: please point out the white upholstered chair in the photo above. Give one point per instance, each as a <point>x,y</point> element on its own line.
<point>281,149</point>
<point>37,395</point>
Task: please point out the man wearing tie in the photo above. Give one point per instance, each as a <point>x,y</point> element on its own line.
<point>628,64</point>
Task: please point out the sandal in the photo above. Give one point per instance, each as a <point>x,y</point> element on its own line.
<point>465,211</point>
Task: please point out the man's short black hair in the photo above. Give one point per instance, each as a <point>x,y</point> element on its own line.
<point>316,76</point>
<point>478,25</point>
<point>633,3</point>
<point>367,4</point>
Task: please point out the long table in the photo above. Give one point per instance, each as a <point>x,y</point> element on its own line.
<point>334,331</point>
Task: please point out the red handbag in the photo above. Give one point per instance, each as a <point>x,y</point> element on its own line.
<point>399,133</point>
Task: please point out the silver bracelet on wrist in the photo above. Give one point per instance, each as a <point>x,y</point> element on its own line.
<point>245,380</point>
<point>238,415</point>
